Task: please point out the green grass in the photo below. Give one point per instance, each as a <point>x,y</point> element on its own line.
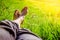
<point>36,20</point>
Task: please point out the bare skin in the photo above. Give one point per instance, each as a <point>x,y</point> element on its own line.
<point>19,17</point>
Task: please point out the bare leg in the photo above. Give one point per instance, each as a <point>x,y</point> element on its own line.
<point>18,18</point>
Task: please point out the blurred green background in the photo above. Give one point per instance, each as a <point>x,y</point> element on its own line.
<point>43,17</point>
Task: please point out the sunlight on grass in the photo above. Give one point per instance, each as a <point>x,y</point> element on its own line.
<point>47,5</point>
<point>43,17</point>
<point>50,7</point>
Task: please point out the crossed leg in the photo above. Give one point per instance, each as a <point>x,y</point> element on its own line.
<point>19,17</point>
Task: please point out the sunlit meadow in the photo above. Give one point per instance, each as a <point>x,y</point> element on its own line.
<point>43,17</point>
